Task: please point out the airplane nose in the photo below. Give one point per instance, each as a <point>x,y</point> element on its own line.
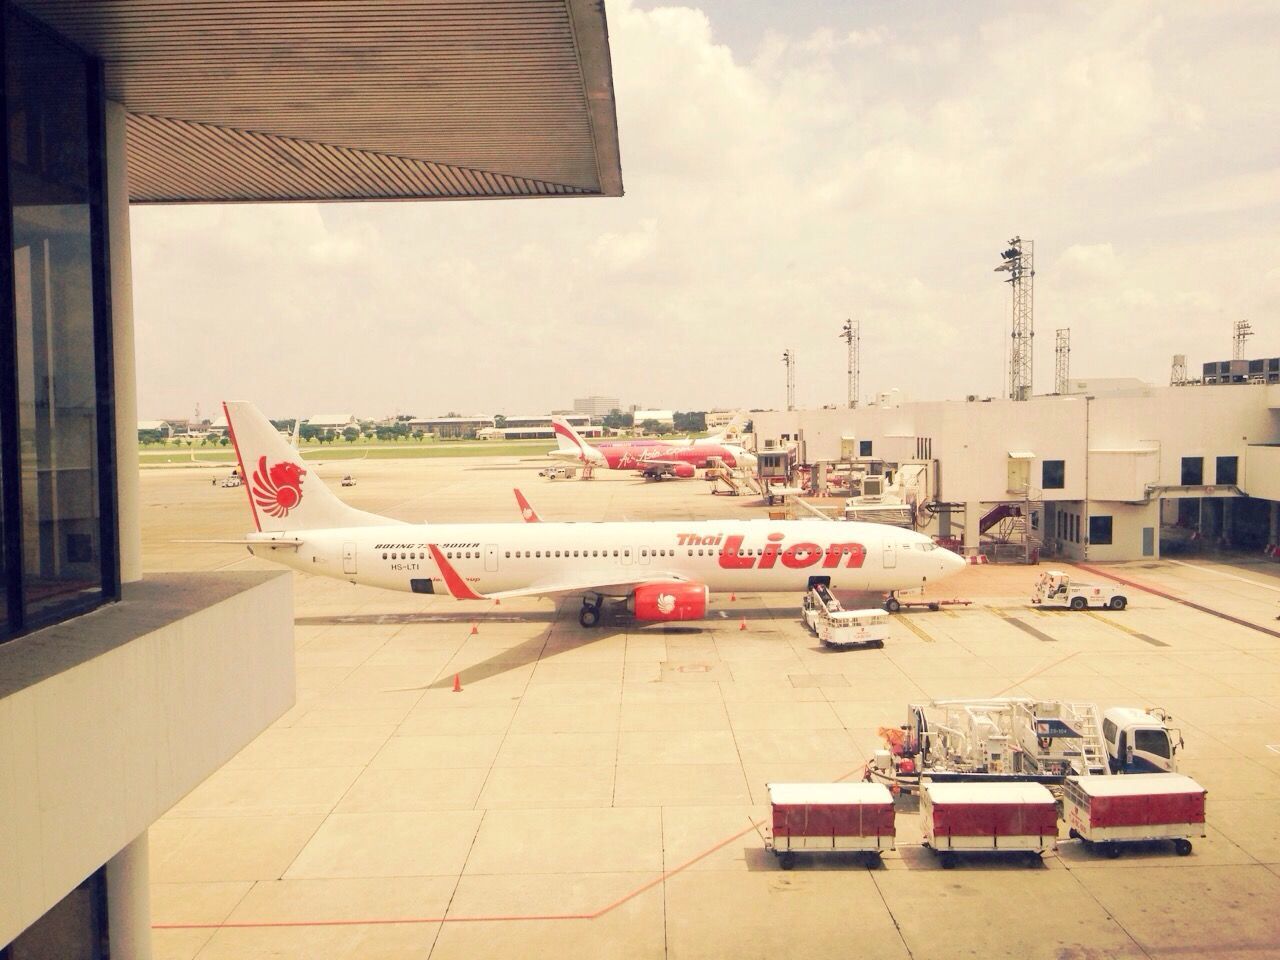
<point>955,562</point>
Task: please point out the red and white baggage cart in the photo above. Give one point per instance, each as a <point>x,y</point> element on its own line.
<point>1005,817</point>
<point>1108,811</point>
<point>830,816</point>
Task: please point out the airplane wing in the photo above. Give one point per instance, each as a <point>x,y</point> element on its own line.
<point>260,542</point>
<point>459,589</point>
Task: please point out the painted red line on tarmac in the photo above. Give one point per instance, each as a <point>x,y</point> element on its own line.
<point>674,870</point>
<point>383,921</point>
<point>1182,600</point>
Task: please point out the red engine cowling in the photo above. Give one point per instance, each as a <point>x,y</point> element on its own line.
<point>684,471</point>
<point>668,600</point>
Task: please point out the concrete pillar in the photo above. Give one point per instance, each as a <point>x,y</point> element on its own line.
<point>129,901</point>
<point>126,382</point>
<point>972,518</point>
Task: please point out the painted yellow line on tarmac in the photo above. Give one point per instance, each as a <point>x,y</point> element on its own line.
<point>1123,629</point>
<point>917,630</point>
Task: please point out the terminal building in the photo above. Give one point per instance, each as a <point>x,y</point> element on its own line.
<point>1119,475</point>
<point>120,693</point>
<point>540,428</point>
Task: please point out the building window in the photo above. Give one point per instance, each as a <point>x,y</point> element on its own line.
<point>58,549</point>
<point>1099,530</point>
<point>1053,474</point>
<point>864,448</point>
<point>1192,471</point>
<point>1228,470</point>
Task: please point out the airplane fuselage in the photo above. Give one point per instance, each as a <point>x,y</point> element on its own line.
<point>729,555</point>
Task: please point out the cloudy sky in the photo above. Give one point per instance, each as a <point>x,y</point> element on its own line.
<point>854,159</point>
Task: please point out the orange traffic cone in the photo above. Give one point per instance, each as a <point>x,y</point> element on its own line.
<point>742,624</point>
<point>497,603</point>
<point>457,683</point>
<point>474,630</point>
<point>733,596</point>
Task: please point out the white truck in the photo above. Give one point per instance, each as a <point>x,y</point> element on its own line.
<point>1020,738</point>
<point>1057,589</point>
<point>839,628</point>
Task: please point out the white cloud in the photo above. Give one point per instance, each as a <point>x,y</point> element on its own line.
<point>869,169</point>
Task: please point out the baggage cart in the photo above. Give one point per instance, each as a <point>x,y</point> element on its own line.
<point>1105,812</point>
<point>1011,817</point>
<point>856,817</point>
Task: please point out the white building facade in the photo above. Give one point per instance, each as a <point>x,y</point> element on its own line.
<point>120,693</point>
<point>1104,474</point>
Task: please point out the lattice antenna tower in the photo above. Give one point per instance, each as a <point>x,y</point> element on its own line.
<point>789,358</point>
<point>1062,360</point>
<point>1019,262</point>
<point>1243,331</point>
<point>852,334</point>
<point>1178,374</point>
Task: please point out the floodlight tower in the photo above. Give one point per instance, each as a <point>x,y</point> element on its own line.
<point>789,358</point>
<point>1243,331</point>
<point>1062,360</point>
<point>1178,375</point>
<point>1019,263</point>
<point>852,333</point>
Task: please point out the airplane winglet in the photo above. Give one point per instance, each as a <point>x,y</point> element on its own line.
<point>530,515</point>
<point>458,588</point>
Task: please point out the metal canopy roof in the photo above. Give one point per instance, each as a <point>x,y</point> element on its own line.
<point>251,100</point>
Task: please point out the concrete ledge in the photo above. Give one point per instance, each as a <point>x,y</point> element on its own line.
<point>108,720</point>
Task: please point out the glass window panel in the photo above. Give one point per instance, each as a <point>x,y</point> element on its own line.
<point>1192,471</point>
<point>47,92</point>
<point>1228,470</point>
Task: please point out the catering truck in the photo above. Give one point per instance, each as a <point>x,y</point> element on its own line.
<point>1021,738</point>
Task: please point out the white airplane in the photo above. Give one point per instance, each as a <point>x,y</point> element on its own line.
<point>664,570</point>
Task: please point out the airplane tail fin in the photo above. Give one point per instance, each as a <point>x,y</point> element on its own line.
<point>283,493</point>
<point>526,510</point>
<point>571,446</point>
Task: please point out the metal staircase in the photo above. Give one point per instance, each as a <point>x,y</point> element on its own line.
<point>1093,746</point>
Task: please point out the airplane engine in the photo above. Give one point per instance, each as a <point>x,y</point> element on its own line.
<point>684,471</point>
<point>669,600</point>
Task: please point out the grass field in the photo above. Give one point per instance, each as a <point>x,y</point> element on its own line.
<point>172,456</point>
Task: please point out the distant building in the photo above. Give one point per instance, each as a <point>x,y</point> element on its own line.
<point>1243,371</point>
<point>719,419</point>
<point>539,428</point>
<point>332,421</point>
<point>451,428</point>
<point>665,418</point>
<point>596,406</point>
<point>161,427</point>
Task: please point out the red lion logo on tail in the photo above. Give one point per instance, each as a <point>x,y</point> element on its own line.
<point>279,489</point>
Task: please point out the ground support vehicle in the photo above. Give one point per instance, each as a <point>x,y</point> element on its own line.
<point>231,481</point>
<point>1105,812</point>
<point>842,629</point>
<point>1019,738</point>
<point>1057,589</point>
<point>1000,817</point>
<point>348,481</point>
<point>855,817</point>
<point>558,472</point>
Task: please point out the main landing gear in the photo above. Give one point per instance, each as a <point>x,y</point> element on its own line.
<point>589,615</point>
